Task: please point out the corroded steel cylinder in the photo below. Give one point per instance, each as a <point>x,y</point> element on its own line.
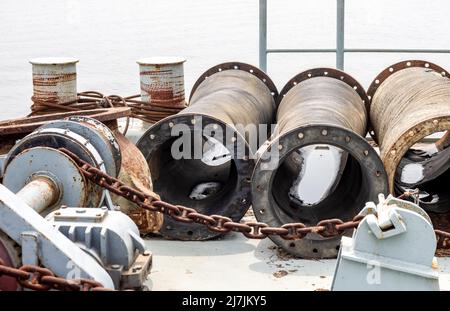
<point>317,164</point>
<point>202,157</point>
<point>409,101</point>
<point>54,80</point>
<point>162,81</point>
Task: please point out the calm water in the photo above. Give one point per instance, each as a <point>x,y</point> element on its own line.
<point>109,35</point>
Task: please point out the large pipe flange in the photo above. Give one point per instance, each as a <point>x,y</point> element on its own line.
<point>317,164</point>
<point>362,179</point>
<point>175,180</point>
<point>409,101</point>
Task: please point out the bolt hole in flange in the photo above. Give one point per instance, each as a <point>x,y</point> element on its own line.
<point>325,168</point>
<point>210,172</point>
<point>409,112</point>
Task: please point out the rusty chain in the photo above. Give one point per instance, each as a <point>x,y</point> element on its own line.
<point>253,230</point>
<point>42,279</point>
<point>216,223</point>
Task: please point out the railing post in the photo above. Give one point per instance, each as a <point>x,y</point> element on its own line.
<point>340,31</point>
<point>263,35</point>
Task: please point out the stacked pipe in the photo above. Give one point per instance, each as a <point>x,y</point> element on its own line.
<point>214,177</point>
<point>322,115</point>
<point>409,101</point>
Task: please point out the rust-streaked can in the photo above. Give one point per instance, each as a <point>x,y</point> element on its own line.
<point>162,81</point>
<point>54,79</point>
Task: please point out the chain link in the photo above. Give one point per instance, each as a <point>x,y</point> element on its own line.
<point>253,230</point>
<point>42,279</point>
<point>216,223</point>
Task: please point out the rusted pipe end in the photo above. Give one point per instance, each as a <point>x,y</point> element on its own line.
<point>410,100</point>
<point>393,154</point>
<point>387,72</point>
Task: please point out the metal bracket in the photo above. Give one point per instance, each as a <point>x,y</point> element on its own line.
<point>30,248</point>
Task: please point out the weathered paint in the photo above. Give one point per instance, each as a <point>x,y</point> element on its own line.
<point>54,80</point>
<point>162,81</point>
<point>136,173</point>
<point>39,193</point>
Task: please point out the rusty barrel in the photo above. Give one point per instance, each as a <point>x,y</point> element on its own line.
<point>318,164</point>
<point>410,100</point>
<point>203,156</point>
<point>54,81</point>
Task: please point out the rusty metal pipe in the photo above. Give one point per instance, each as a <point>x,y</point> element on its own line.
<point>227,98</point>
<point>40,193</point>
<point>409,101</point>
<point>321,124</point>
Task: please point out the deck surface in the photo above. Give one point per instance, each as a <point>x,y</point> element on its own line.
<point>237,263</point>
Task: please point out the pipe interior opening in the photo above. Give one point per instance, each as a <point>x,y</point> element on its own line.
<point>317,182</point>
<point>195,179</point>
<point>425,166</point>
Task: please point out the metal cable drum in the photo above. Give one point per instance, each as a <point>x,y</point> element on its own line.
<point>203,157</point>
<point>409,101</point>
<point>317,164</point>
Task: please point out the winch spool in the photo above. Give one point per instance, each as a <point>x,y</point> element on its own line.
<point>225,99</point>
<point>39,179</point>
<point>410,100</point>
<point>37,156</point>
<point>321,124</point>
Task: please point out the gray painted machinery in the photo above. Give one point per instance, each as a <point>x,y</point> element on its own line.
<point>51,215</point>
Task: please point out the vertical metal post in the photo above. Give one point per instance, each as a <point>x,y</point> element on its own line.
<point>263,35</point>
<point>340,31</point>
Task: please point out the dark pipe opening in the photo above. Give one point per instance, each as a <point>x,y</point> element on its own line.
<point>319,182</point>
<point>427,169</point>
<point>197,183</point>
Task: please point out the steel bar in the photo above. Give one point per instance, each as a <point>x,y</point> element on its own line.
<point>340,33</point>
<point>321,124</point>
<point>350,50</point>
<point>225,102</point>
<point>263,35</point>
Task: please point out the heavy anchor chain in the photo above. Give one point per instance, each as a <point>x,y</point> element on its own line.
<point>217,223</point>
<point>42,279</point>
